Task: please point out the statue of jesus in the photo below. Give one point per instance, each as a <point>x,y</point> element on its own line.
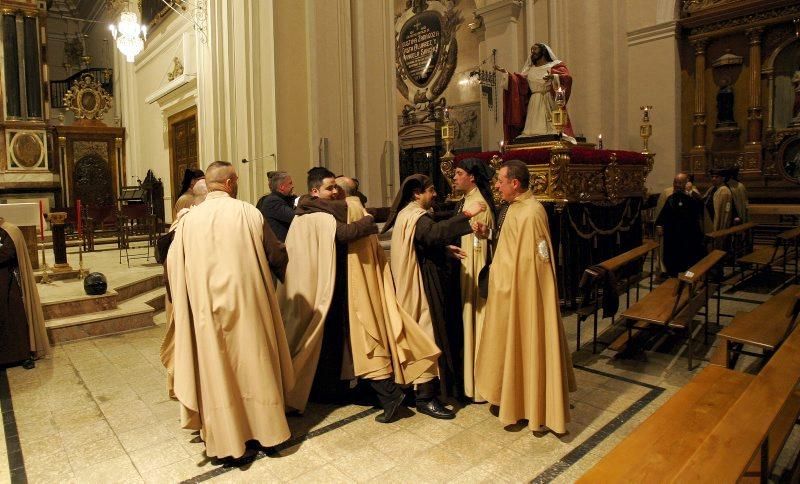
<point>529,96</point>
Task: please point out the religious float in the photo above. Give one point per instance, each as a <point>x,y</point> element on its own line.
<point>593,196</point>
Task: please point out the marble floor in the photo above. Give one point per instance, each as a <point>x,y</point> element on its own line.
<point>97,411</point>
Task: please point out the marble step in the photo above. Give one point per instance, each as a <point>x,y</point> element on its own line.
<point>141,286</point>
<point>131,314</point>
<point>63,308</point>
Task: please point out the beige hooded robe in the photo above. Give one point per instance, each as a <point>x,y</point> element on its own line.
<point>385,340</point>
<point>524,365</point>
<point>232,362</point>
<point>474,306</point>
<point>37,332</point>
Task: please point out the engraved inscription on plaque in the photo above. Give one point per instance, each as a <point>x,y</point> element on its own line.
<point>420,45</point>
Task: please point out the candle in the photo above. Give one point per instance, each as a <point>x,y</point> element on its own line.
<point>599,141</point>
<point>78,214</point>
<point>41,218</point>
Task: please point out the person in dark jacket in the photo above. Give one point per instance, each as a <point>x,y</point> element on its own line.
<point>278,206</point>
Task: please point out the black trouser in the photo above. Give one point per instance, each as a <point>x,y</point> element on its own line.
<point>387,389</point>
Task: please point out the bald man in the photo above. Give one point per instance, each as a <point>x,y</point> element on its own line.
<point>681,222</point>
<point>232,366</point>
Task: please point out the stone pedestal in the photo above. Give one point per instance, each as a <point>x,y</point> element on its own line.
<point>57,220</point>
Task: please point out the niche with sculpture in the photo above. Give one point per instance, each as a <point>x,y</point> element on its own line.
<point>726,71</point>
<point>785,109</point>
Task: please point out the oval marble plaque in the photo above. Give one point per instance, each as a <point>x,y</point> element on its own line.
<point>420,46</point>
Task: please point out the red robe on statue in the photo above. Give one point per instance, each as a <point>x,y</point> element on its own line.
<point>518,93</point>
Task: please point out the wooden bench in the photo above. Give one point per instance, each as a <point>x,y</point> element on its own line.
<point>615,265</point>
<point>660,449</point>
<point>734,240</point>
<point>674,304</point>
<point>747,439</point>
<point>784,248</point>
<point>672,434</point>
<point>765,327</point>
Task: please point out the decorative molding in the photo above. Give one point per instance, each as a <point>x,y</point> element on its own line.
<point>665,30</point>
<point>694,6</point>
<point>743,22</point>
<point>502,11</point>
<point>174,88</point>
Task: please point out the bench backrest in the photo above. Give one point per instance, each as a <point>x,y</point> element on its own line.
<point>790,234</point>
<point>727,452</point>
<point>731,230</point>
<point>627,257</point>
<point>698,272</point>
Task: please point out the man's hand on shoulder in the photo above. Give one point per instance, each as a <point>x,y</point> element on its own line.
<point>474,209</point>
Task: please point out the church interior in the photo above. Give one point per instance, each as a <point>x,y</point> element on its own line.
<point>680,324</point>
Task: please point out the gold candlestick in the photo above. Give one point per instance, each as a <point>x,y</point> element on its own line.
<point>45,275</point>
<point>645,129</point>
<point>559,114</point>
<point>82,273</point>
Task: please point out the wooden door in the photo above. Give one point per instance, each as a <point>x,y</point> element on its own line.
<point>182,147</point>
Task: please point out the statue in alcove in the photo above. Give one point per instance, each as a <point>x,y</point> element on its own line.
<point>725,104</point>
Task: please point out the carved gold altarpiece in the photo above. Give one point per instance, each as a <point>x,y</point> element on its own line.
<point>738,58</point>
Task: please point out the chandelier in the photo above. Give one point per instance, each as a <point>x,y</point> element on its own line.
<point>129,34</point>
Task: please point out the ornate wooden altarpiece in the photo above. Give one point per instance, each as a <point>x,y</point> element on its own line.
<point>740,104</point>
<point>91,154</point>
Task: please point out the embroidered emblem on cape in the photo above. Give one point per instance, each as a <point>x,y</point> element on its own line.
<point>543,250</point>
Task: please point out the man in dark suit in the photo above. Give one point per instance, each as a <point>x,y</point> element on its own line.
<point>278,206</point>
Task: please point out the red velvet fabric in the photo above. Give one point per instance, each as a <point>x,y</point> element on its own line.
<point>515,105</point>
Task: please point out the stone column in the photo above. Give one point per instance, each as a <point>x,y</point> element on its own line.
<point>752,149</point>
<point>754,83</point>
<point>57,220</point>
<point>699,153</point>
<point>699,117</point>
<point>500,30</point>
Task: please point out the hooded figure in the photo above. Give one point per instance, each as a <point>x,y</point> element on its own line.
<point>473,177</point>
<point>186,198</point>
<point>23,336</point>
<point>419,251</point>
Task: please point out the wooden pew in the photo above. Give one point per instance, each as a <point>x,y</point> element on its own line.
<point>765,327</point>
<point>784,247</point>
<point>673,304</point>
<point>655,450</point>
<point>616,265</point>
<point>750,431</point>
<point>734,240</point>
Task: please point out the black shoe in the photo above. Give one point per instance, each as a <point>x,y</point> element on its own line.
<point>435,409</point>
<point>29,364</point>
<point>390,410</point>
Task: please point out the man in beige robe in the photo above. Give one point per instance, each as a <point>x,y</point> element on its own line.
<point>232,363</point>
<point>385,341</point>
<point>419,251</point>
<point>23,336</point>
<point>167,350</point>
<point>718,201</point>
<point>473,178</point>
<point>523,363</point>
<point>336,323</point>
